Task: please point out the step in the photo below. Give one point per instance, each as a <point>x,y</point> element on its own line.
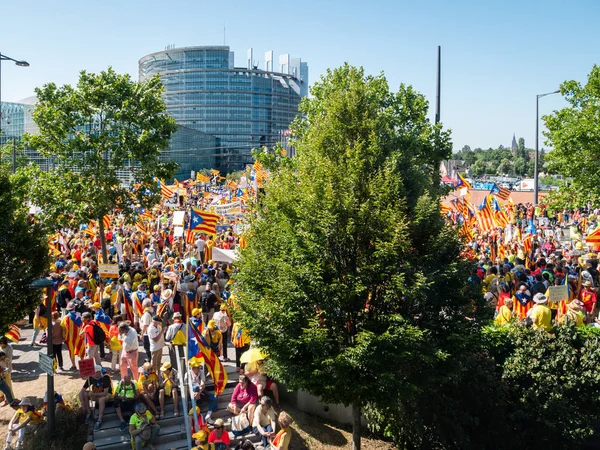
<point>123,440</point>
<point>112,428</point>
<point>181,444</point>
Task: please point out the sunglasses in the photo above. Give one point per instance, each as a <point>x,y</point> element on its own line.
<point>218,427</point>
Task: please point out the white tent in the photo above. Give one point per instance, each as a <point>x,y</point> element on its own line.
<point>222,255</point>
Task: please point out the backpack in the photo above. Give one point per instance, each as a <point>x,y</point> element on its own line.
<point>99,334</point>
<point>179,338</point>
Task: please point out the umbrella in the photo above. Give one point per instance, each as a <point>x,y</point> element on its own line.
<point>252,355</point>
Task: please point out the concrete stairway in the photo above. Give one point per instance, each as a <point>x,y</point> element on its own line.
<point>172,429</point>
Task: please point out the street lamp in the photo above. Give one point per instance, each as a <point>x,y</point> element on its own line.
<point>537,146</point>
<point>48,285</point>
<point>18,63</point>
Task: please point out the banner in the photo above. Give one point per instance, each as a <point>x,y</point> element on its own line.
<point>228,208</point>
<point>173,200</point>
<point>558,293</point>
<point>108,270</point>
<point>178,217</point>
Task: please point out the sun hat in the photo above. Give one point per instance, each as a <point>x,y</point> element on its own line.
<point>540,298</point>
<point>156,288</point>
<point>71,306</point>
<point>166,366</point>
<point>98,368</point>
<point>176,314</point>
<point>166,294</point>
<point>587,283</point>
<point>26,402</point>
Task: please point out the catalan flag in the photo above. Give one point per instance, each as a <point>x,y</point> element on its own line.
<point>202,178</point>
<point>485,217</point>
<point>215,172</point>
<point>146,214</point>
<point>71,323</point>
<point>13,333</point>
<point>165,192</point>
<point>140,226</point>
<point>216,369</point>
<point>500,192</point>
<point>106,221</point>
<point>594,237</point>
<point>203,221</point>
<point>528,244</point>
<point>189,236</point>
<point>445,209</point>
<point>583,225</point>
<point>460,182</point>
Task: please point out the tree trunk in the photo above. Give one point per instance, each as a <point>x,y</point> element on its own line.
<point>355,426</point>
<point>103,240</point>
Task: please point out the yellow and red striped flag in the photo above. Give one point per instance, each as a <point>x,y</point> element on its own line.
<point>165,191</point>
<point>527,244</point>
<point>594,237</point>
<point>75,342</point>
<point>13,333</point>
<point>106,221</point>
<point>215,172</point>
<point>216,369</point>
<point>501,219</point>
<point>202,178</point>
<point>203,221</point>
<point>486,219</point>
<point>139,225</point>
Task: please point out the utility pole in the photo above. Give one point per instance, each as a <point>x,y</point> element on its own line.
<point>438,84</point>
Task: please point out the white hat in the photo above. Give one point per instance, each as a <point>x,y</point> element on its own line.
<point>540,298</point>
<point>98,368</point>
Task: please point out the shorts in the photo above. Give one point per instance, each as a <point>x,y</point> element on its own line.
<point>125,405</point>
<point>268,385</point>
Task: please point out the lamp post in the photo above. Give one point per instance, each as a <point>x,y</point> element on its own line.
<point>45,283</point>
<point>18,63</point>
<point>537,146</point>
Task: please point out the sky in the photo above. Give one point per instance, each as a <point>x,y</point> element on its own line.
<point>496,54</point>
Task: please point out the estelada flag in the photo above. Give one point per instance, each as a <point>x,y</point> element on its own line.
<point>75,342</point>
<point>203,221</point>
<point>594,237</point>
<point>216,369</point>
<point>13,333</point>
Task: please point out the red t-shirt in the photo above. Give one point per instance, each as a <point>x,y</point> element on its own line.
<point>89,333</point>
<point>224,437</point>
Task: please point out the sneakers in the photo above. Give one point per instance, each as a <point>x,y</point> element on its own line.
<point>88,418</point>
<point>209,420</point>
<point>97,426</point>
<point>123,426</point>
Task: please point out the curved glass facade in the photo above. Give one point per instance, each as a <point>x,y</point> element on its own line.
<point>242,108</point>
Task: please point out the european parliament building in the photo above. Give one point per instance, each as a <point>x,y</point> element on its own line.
<point>223,111</point>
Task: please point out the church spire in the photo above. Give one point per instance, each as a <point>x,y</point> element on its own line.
<point>514,145</point>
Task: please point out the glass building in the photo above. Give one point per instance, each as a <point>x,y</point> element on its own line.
<point>240,108</point>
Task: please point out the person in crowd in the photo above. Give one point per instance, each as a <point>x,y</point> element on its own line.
<point>114,343</point>
<point>148,383</point>
<point>244,397</point>
<point>25,420</point>
<point>156,339</point>
<point>219,436</point>
<point>223,322</point>
<point>5,387</point>
<point>540,314</point>
<point>168,387</point>
<point>201,441</point>
<point>72,324</point>
<point>505,314</point>
<point>57,340</point>
<point>208,300</point>
<point>241,342</point>
<point>587,296</point>
<point>129,350</point>
<point>264,421</point>
<point>175,336</point>
<point>7,348</point>
<point>213,337</point>
<point>127,395</point>
<point>145,322</point>
<point>282,439</point>
<point>143,428</point>
<point>89,329</point>
<point>99,387</point>
<point>196,377</point>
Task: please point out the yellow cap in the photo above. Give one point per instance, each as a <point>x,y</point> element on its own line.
<point>96,305</point>
<point>196,311</point>
<point>212,324</point>
<point>201,435</point>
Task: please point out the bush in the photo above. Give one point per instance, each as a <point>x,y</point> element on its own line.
<point>70,433</point>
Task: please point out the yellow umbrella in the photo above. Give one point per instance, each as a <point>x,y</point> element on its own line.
<point>252,355</point>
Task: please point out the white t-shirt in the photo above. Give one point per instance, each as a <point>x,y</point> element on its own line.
<point>146,321</point>
<point>200,244</point>
<point>154,332</point>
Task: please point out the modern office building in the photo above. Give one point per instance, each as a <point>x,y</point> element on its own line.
<point>241,108</point>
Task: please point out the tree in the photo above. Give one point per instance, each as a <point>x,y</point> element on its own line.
<point>107,124</point>
<point>479,168</point>
<point>574,134</point>
<point>11,149</point>
<point>522,152</point>
<point>23,255</point>
<point>351,280</point>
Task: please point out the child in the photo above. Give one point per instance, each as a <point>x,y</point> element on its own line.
<point>114,342</point>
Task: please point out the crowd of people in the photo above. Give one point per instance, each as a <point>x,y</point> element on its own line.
<point>131,319</point>
<point>539,269</point>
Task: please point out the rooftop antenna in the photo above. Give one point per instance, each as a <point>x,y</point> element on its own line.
<point>438,84</point>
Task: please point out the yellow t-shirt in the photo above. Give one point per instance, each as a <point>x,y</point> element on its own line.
<point>144,380</point>
<point>541,316</point>
<point>504,316</point>
<point>137,421</point>
<point>36,417</point>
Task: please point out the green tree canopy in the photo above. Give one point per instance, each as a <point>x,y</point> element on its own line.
<point>351,280</point>
<point>23,255</point>
<point>106,124</point>
<point>574,134</point>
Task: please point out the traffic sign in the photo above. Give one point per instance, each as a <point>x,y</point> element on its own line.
<point>46,364</point>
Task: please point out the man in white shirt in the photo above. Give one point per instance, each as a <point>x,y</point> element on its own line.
<point>129,351</point>
<point>145,322</point>
<point>200,245</point>
<point>157,342</point>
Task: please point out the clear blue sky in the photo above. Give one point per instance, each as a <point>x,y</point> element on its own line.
<point>497,55</point>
